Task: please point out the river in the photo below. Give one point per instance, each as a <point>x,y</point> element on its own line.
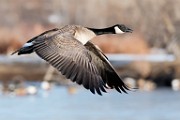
<point>58,104</point>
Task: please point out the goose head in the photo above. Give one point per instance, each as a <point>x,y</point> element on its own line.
<point>120,28</point>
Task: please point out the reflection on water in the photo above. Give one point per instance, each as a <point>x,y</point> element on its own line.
<point>162,104</point>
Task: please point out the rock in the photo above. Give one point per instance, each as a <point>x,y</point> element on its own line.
<point>175,84</point>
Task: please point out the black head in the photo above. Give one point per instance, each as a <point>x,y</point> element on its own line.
<point>120,28</point>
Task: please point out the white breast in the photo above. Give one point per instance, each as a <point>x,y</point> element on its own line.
<point>84,36</point>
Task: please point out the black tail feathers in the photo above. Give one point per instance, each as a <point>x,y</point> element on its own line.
<point>24,50</point>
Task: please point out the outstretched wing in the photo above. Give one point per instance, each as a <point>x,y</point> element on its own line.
<point>108,74</point>
<point>71,58</point>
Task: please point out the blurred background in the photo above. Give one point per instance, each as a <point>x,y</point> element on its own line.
<point>148,58</point>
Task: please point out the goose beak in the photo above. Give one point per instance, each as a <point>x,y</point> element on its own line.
<point>128,30</point>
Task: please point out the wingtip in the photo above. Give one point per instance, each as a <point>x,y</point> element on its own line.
<point>133,89</point>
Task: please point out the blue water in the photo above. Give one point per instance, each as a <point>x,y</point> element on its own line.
<point>162,104</point>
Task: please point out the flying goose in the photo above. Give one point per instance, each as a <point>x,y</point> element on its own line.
<point>69,50</point>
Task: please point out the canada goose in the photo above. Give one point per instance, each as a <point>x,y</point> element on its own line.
<point>68,49</point>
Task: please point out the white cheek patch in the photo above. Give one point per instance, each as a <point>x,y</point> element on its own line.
<point>28,44</point>
<point>118,31</point>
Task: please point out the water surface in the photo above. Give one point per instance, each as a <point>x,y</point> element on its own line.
<point>57,104</point>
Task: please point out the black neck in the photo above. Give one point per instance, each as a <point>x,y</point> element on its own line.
<point>109,30</point>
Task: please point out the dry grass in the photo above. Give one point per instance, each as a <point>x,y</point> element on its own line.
<point>14,38</point>
<point>8,41</point>
<point>127,43</point>
<point>158,21</point>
